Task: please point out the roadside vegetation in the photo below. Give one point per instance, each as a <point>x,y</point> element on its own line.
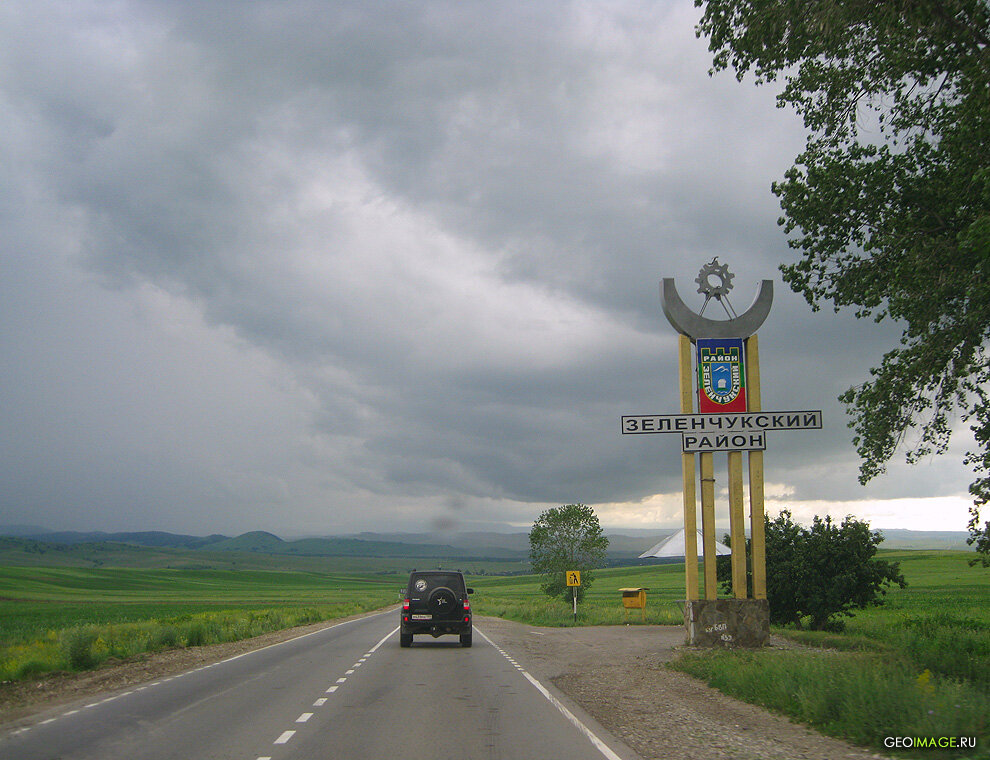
<point>819,575</point>
<point>74,619</point>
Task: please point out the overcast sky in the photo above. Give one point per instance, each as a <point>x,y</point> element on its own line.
<point>323,267</point>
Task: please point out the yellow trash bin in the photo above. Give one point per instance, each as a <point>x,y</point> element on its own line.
<point>634,599</point>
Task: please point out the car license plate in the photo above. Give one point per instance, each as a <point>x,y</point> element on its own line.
<point>422,617</point>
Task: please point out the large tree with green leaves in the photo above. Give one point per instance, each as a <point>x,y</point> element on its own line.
<point>567,538</point>
<point>889,203</point>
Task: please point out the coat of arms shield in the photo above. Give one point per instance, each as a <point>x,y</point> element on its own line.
<point>721,375</point>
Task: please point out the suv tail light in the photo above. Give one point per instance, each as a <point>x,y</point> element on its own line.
<point>405,605</point>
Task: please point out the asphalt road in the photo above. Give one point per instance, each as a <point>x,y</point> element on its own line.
<point>348,691</point>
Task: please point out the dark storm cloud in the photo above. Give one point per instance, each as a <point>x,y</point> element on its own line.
<point>385,258</point>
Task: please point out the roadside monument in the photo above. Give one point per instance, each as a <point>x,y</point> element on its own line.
<point>724,376</point>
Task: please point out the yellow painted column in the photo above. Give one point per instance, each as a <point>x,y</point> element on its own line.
<point>756,493</point>
<point>708,522</point>
<point>737,525</point>
<point>687,388</point>
<point>758,540</point>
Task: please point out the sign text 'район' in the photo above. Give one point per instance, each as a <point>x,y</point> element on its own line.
<point>697,443</point>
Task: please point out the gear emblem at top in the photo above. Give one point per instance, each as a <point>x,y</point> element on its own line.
<point>704,279</point>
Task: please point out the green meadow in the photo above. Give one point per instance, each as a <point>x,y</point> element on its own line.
<point>519,598</point>
<point>64,619</point>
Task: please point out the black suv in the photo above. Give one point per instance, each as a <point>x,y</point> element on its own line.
<point>436,603</point>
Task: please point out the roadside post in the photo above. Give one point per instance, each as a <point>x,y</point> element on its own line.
<point>724,377</point>
<point>574,580</point>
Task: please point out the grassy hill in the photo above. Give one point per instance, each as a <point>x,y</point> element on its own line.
<point>142,538</point>
<point>255,541</point>
<point>253,553</point>
<point>367,545</point>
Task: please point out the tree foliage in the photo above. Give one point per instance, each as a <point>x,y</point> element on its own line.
<point>566,538</point>
<point>889,203</point>
<point>821,573</point>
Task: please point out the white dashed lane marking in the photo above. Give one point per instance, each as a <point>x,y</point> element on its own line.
<point>161,681</point>
<point>304,718</point>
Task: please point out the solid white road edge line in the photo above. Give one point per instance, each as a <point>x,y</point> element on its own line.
<point>598,743</point>
<point>220,662</point>
<point>305,635</point>
<point>384,639</point>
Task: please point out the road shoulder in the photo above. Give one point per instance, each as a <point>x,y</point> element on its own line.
<point>617,675</point>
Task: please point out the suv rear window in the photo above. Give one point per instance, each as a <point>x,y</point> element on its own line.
<point>423,583</point>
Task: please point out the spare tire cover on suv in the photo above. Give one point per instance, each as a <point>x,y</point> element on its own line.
<point>443,603</point>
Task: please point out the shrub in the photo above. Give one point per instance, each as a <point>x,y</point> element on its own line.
<point>196,635</point>
<point>30,668</point>
<point>822,572</point>
<point>77,647</point>
<point>167,637</point>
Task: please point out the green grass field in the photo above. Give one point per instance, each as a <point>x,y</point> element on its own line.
<point>61,619</point>
<point>941,621</point>
<point>519,598</point>
<point>21,553</point>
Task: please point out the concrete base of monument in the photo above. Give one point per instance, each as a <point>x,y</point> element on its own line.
<point>727,622</point>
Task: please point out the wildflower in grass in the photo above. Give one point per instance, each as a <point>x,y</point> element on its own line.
<point>924,682</point>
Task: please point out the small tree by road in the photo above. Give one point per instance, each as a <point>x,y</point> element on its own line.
<point>818,574</point>
<point>566,538</point>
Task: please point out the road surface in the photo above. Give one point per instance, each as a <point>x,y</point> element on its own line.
<point>347,691</point>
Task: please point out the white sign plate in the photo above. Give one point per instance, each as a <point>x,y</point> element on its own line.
<point>693,443</point>
<point>743,422</point>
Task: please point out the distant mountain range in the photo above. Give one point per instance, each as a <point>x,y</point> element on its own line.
<point>267,543</point>
<point>488,545</point>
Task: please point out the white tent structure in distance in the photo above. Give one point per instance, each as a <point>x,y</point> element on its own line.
<point>673,546</point>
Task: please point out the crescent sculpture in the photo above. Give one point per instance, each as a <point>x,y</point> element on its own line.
<point>697,326</point>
